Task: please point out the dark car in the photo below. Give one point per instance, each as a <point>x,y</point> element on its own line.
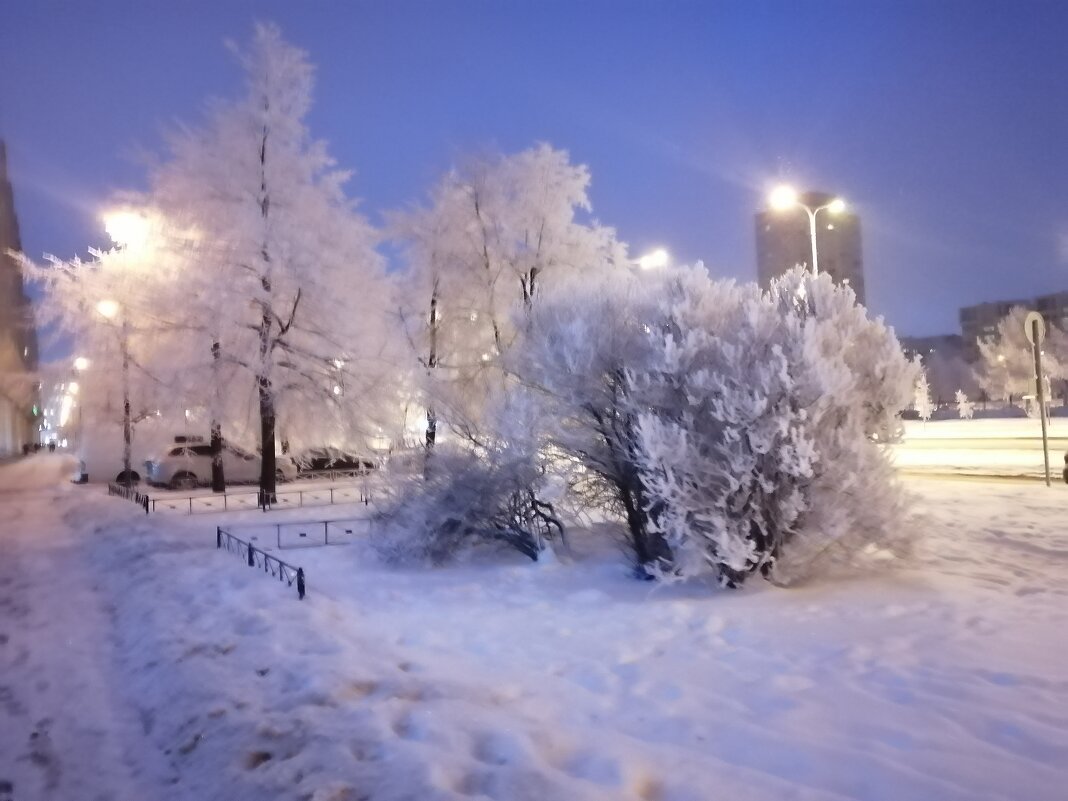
<point>327,459</point>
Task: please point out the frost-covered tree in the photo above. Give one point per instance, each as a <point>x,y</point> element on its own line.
<point>583,342</point>
<point>109,304</point>
<point>922,402</point>
<point>492,233</point>
<point>1006,363</point>
<point>964,406</point>
<point>282,278</point>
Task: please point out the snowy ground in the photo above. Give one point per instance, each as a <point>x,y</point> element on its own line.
<point>996,446</point>
<point>137,662</point>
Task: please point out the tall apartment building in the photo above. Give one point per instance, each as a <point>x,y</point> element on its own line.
<point>18,335</point>
<point>783,240</point>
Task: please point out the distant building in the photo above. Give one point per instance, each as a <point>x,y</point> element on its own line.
<point>18,335</point>
<point>783,240</point>
<point>981,321</point>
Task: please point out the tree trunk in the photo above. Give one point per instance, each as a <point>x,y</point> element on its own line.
<point>431,363</point>
<point>268,479</point>
<point>218,475</point>
<point>263,379</point>
<point>127,422</point>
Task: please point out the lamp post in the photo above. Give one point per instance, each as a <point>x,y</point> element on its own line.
<point>784,198</point>
<point>81,364</point>
<point>129,231</point>
<point>109,309</point>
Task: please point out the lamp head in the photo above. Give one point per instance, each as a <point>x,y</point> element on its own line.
<point>782,198</point>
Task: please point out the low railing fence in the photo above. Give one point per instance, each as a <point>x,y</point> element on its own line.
<point>318,533</point>
<point>130,494</point>
<point>257,557</point>
<point>245,500</point>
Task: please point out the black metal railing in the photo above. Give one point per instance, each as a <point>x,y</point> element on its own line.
<point>257,499</point>
<point>304,533</point>
<point>316,533</point>
<point>256,557</point>
<point>130,494</point>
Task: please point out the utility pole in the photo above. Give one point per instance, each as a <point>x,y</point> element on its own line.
<point>1035,330</point>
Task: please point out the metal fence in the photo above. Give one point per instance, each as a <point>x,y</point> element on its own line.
<point>244,500</point>
<point>130,494</point>
<point>256,557</point>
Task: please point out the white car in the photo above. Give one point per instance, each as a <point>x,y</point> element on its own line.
<point>187,465</point>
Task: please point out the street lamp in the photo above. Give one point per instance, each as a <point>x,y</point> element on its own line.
<point>109,309</point>
<point>654,260</point>
<point>127,229</point>
<point>784,198</point>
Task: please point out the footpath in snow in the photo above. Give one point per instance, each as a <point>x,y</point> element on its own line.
<point>138,662</point>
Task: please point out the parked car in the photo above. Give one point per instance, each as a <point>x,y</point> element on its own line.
<point>318,459</point>
<point>187,465</point>
<point>99,448</point>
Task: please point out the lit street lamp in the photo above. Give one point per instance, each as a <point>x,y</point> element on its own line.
<point>109,309</point>
<point>654,260</point>
<point>129,231</point>
<point>784,198</point>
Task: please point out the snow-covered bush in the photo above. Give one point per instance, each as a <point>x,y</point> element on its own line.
<point>723,445</point>
<point>964,406</point>
<point>474,492</point>
<point>582,342</point>
<point>754,439</point>
<point>731,427</point>
<point>922,402</point>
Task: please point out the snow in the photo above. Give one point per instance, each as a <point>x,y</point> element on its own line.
<point>1002,446</point>
<point>137,661</point>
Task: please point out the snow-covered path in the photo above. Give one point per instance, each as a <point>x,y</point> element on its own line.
<point>67,729</point>
<point>168,670</point>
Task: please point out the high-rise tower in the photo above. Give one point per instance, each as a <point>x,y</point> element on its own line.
<point>783,240</point>
<point>18,335</point>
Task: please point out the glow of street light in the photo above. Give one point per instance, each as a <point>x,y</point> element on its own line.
<point>108,308</point>
<point>81,363</point>
<point>836,206</point>
<point>654,260</point>
<point>127,229</point>
<point>782,198</point>
<point>73,387</point>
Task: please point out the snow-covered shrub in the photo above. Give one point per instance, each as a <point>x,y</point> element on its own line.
<point>732,427</point>
<point>485,490</point>
<point>922,402</point>
<point>964,406</point>
<point>724,446</point>
<point>580,343</point>
<point>854,503</point>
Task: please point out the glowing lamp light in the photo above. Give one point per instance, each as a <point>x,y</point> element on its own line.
<point>81,363</point>
<point>782,198</point>
<point>73,387</point>
<point>654,260</point>
<point>836,206</point>
<point>127,229</point>
<point>337,390</point>
<point>108,308</point>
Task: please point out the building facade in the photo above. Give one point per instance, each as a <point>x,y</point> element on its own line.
<point>980,321</point>
<point>783,240</point>
<point>19,403</point>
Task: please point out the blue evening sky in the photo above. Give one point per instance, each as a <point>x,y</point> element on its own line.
<point>945,124</point>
